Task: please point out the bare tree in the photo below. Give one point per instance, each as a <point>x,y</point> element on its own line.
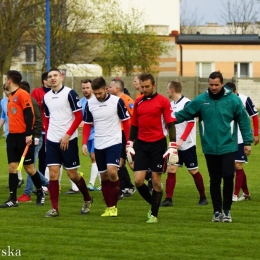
<point>240,15</point>
<point>73,27</point>
<point>15,19</point>
<point>189,20</point>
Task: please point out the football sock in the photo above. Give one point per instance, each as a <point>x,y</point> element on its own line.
<point>93,173</point>
<point>121,180</point>
<point>170,184</point>
<point>244,184</point>
<point>156,201</point>
<point>126,177</point>
<point>114,189</point>
<point>61,170</point>
<point>83,189</point>
<point>13,182</point>
<point>54,193</point>
<point>105,191</point>
<point>144,192</point>
<point>37,180</point>
<point>199,184</point>
<point>238,181</point>
<point>73,185</point>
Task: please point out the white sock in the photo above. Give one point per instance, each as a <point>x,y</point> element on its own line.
<point>61,169</point>
<point>20,177</point>
<point>93,173</point>
<point>73,185</point>
<point>47,173</point>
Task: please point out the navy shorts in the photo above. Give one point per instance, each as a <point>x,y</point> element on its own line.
<point>68,158</point>
<point>240,155</point>
<point>15,144</point>
<point>90,145</point>
<point>149,155</point>
<point>108,156</point>
<point>189,158</point>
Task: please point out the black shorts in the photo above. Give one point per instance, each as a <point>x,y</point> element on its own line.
<point>123,151</point>
<point>15,144</point>
<point>150,155</point>
<point>189,158</point>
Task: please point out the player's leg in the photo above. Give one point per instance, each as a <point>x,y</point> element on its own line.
<point>71,163</point>
<point>240,174</point>
<point>157,166</point>
<point>14,155</point>
<point>191,162</point>
<point>94,170</point>
<point>53,160</point>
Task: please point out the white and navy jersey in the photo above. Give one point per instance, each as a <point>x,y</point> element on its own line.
<point>191,139</point>
<point>106,117</point>
<point>251,111</point>
<point>59,108</point>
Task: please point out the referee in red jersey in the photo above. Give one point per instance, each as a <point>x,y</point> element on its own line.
<point>151,118</point>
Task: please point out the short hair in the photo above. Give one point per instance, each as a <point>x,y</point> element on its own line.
<point>215,75</point>
<point>120,83</point>
<point>85,81</point>
<point>15,76</point>
<point>176,86</point>
<point>25,86</point>
<point>44,76</point>
<point>147,76</point>
<point>98,83</point>
<point>54,69</point>
<point>232,86</point>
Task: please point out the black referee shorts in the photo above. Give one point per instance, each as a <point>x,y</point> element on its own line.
<point>149,155</point>
<point>15,144</point>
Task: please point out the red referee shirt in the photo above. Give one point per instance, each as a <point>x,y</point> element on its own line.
<point>151,116</point>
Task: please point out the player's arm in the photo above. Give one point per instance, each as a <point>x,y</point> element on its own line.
<point>46,120</point>
<point>185,133</point>
<point>38,122</point>
<point>124,116</point>
<point>88,121</point>
<point>28,119</point>
<point>256,130</point>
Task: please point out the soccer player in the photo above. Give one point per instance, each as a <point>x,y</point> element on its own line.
<point>219,110</point>
<point>186,144</point>
<point>106,112</point>
<point>38,94</point>
<point>20,122</point>
<point>152,114</point>
<point>26,196</point>
<point>116,87</point>
<point>240,177</point>
<point>88,94</point>
<point>63,113</point>
<point>137,86</point>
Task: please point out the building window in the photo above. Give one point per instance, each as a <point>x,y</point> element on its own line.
<point>243,69</point>
<point>203,69</point>
<point>30,53</point>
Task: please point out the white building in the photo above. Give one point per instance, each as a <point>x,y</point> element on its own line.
<point>156,13</point>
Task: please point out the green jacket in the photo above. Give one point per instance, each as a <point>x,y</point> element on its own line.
<point>218,121</point>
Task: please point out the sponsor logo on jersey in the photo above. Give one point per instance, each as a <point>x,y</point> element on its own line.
<point>13,110</point>
<point>15,98</point>
<point>131,105</point>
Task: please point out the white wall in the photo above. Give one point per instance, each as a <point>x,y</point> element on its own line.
<point>156,12</point>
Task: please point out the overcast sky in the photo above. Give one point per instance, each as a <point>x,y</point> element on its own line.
<point>207,10</point>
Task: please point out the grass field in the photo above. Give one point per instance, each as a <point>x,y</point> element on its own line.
<point>184,231</point>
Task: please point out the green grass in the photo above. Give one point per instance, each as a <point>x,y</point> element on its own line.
<point>184,231</point>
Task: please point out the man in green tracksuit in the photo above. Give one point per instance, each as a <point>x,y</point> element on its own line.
<point>219,112</point>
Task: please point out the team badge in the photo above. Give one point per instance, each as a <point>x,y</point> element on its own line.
<point>13,110</point>
<point>15,98</point>
<point>131,105</point>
